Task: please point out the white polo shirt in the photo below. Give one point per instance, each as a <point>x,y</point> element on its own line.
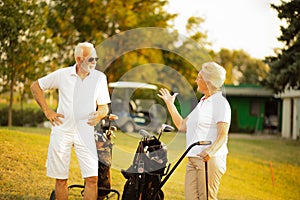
<point>77,99</point>
<point>202,123</point>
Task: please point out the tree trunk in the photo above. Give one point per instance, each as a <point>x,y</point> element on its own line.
<point>11,90</point>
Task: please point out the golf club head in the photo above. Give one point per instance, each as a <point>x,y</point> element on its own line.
<point>113,128</point>
<point>144,133</point>
<point>102,123</point>
<point>167,128</point>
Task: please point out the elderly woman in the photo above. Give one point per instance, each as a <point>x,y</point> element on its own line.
<point>210,120</point>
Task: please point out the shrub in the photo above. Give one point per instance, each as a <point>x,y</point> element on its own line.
<point>25,117</point>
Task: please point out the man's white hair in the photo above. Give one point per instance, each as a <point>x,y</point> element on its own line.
<point>79,48</point>
<point>213,73</point>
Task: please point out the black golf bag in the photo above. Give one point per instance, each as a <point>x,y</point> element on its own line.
<point>104,145</point>
<point>104,178</point>
<point>145,173</point>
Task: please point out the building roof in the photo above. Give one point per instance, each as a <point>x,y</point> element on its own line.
<point>128,84</point>
<point>247,90</point>
<point>289,93</point>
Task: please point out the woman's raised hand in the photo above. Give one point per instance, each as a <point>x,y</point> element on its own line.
<point>166,96</point>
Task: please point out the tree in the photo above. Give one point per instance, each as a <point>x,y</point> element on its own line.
<point>241,67</point>
<point>23,45</point>
<point>285,66</point>
<point>94,21</point>
<point>99,21</point>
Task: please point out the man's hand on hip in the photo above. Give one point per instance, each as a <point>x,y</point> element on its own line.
<point>54,117</point>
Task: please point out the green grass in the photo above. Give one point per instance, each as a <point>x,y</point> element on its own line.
<point>23,155</point>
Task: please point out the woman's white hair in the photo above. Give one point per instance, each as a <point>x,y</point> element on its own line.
<point>213,73</point>
<point>79,48</point>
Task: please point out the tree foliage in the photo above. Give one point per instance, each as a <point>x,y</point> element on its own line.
<point>39,36</point>
<point>95,20</point>
<point>172,61</point>
<point>285,66</point>
<point>24,44</point>
<point>241,67</point>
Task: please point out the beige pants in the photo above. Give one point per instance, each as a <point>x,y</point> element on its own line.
<point>195,186</point>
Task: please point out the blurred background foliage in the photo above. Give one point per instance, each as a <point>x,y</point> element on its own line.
<point>38,36</point>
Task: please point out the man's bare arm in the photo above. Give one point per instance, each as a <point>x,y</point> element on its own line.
<point>38,95</point>
<point>101,112</point>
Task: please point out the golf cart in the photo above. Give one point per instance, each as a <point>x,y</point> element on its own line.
<point>136,105</point>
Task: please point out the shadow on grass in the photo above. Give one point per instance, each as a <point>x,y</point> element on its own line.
<point>21,197</point>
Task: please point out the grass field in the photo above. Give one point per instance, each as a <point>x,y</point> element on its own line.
<point>23,155</point>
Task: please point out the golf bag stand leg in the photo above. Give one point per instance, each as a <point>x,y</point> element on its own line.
<point>181,158</point>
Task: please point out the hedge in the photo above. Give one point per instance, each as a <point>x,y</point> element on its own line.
<point>25,117</point>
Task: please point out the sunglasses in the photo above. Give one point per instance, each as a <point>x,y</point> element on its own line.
<point>91,59</point>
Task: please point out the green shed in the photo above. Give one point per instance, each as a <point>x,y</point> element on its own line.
<point>254,108</point>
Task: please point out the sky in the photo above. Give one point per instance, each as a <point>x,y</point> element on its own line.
<point>250,25</point>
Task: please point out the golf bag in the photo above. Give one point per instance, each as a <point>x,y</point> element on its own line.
<point>104,150</point>
<point>145,173</point>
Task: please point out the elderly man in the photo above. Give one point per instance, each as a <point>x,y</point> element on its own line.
<point>83,99</point>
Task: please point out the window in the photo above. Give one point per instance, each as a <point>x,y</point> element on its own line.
<point>255,108</point>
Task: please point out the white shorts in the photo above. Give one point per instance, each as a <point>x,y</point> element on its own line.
<point>59,156</point>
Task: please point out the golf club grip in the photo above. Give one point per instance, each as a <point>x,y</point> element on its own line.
<point>181,158</point>
<point>203,142</point>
